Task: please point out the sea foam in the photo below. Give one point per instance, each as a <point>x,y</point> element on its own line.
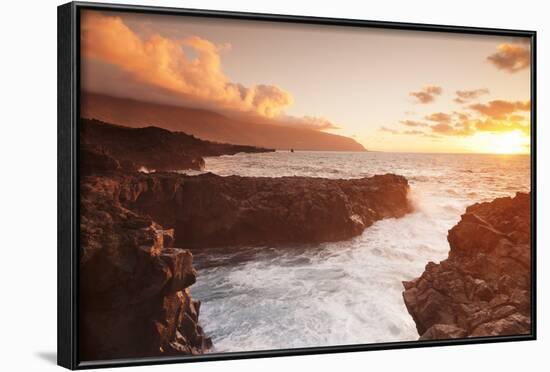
<point>346,292</point>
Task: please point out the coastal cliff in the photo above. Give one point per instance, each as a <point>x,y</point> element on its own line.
<point>134,282</point>
<point>152,147</point>
<point>134,286</point>
<point>210,210</point>
<point>484,287</point>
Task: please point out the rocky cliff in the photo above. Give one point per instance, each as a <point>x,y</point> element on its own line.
<point>209,210</point>
<point>151,147</point>
<point>134,284</point>
<point>484,287</point>
<point>134,296</point>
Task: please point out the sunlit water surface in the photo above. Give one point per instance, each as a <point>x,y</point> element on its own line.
<point>345,292</point>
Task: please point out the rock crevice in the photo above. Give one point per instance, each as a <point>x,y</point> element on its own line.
<point>484,287</point>
<point>134,286</point>
<point>134,296</point>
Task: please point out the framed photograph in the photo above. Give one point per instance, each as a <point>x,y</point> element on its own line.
<point>237,185</point>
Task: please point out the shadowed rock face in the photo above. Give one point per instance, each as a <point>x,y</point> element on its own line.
<point>210,210</point>
<point>150,147</point>
<point>484,287</point>
<point>134,285</point>
<point>134,296</point>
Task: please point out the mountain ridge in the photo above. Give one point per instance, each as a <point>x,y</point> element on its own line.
<point>210,125</point>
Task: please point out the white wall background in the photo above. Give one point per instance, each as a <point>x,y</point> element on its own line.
<point>28,184</point>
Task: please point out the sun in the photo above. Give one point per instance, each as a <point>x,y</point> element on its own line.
<point>515,142</point>
<point>510,143</point>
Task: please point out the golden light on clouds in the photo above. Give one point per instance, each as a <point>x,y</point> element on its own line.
<point>417,93</point>
<point>162,62</point>
<point>511,57</point>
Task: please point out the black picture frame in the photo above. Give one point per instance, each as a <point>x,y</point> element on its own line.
<point>68,180</point>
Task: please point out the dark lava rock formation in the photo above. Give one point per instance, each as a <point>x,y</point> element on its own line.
<point>484,287</point>
<point>134,284</point>
<point>133,293</point>
<point>209,210</point>
<point>151,147</point>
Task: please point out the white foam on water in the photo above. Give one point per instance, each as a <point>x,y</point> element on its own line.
<point>347,292</point>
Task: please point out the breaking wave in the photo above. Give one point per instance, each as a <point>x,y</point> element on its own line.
<point>347,292</point>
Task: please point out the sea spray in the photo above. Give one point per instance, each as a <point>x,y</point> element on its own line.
<point>346,292</point>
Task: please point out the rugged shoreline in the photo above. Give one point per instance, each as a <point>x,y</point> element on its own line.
<point>484,287</point>
<point>149,147</point>
<point>134,286</point>
<point>211,211</point>
<point>134,280</point>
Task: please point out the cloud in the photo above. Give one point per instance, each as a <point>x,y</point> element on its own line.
<point>389,130</point>
<point>162,64</point>
<point>495,126</point>
<point>464,128</point>
<point>443,128</point>
<point>427,94</point>
<point>499,109</point>
<point>439,117</point>
<point>464,96</point>
<point>462,116</point>
<point>495,116</point>
<point>413,132</point>
<point>308,122</point>
<point>511,57</point>
<point>431,135</point>
<point>413,123</point>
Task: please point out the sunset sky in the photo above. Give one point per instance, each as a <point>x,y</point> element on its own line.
<point>390,90</point>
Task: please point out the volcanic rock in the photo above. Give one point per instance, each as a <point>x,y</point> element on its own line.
<point>134,297</point>
<point>209,210</point>
<point>153,148</point>
<point>484,287</point>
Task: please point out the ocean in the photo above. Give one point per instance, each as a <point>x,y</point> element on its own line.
<point>347,292</point>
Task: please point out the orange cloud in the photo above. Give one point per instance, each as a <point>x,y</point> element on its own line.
<point>427,94</point>
<point>162,63</point>
<point>462,116</point>
<point>467,127</point>
<point>308,122</point>
<point>389,130</point>
<point>464,96</point>
<point>413,123</point>
<point>495,126</point>
<point>457,129</point>
<point>442,128</point>
<point>413,132</point>
<point>439,117</point>
<point>499,109</point>
<point>495,116</point>
<point>511,57</point>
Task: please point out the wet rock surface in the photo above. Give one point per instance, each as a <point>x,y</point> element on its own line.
<point>484,287</point>
<point>209,210</point>
<point>136,230</point>
<point>134,288</point>
<point>134,282</point>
